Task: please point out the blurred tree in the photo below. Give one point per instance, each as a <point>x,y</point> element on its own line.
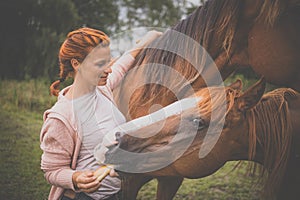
<point>154,13</point>
<point>47,25</point>
<point>33,29</point>
<point>100,14</point>
<point>12,37</point>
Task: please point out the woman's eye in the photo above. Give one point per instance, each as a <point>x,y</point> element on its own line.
<point>101,64</point>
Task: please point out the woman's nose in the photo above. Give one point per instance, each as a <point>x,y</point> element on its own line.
<point>108,70</point>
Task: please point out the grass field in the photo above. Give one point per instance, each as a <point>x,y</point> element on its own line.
<point>22,105</point>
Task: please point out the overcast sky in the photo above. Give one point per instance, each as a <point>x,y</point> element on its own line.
<point>194,1</point>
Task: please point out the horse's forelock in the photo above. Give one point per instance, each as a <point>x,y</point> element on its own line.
<point>213,98</point>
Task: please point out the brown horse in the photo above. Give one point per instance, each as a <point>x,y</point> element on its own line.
<point>259,34</point>
<point>264,129</point>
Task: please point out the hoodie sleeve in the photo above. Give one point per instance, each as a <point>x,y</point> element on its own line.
<point>58,147</point>
<point>119,69</point>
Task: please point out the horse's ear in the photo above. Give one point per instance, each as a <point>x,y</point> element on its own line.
<point>252,96</point>
<point>237,85</point>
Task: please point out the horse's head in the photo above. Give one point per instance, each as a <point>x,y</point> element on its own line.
<point>211,123</point>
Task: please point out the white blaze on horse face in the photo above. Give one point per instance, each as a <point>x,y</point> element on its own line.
<point>131,127</point>
<point>160,116</point>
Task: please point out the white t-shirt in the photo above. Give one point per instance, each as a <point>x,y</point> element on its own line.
<point>96,116</point>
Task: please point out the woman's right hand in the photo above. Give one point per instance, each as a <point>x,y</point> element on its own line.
<point>85,181</point>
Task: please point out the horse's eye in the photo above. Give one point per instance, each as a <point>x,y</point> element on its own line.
<point>199,122</point>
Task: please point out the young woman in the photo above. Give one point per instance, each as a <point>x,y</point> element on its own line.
<point>83,114</point>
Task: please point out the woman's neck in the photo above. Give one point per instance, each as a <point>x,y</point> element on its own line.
<point>79,89</point>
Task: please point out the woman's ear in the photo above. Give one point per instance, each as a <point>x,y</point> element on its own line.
<point>75,64</point>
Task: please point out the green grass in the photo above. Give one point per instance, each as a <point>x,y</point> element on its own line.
<point>31,95</point>
<point>22,105</point>
<point>225,184</point>
<point>21,177</point>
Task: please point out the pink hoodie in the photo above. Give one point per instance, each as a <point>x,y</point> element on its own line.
<point>59,139</point>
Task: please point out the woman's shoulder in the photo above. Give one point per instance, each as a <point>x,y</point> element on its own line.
<point>59,121</point>
<point>62,110</point>
<point>61,107</point>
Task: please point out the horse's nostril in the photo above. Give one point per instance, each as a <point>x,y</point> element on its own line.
<point>118,136</point>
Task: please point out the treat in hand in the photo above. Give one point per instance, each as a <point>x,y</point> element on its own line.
<point>102,172</point>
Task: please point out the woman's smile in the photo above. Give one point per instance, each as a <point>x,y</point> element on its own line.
<point>103,76</point>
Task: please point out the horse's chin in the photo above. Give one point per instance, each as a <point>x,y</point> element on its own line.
<point>151,159</point>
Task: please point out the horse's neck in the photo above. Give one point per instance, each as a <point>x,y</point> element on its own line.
<point>241,145</point>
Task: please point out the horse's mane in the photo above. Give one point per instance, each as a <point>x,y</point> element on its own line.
<point>271,10</point>
<point>218,17</point>
<point>211,25</point>
<point>271,115</point>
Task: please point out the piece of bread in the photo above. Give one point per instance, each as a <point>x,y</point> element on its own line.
<point>102,172</point>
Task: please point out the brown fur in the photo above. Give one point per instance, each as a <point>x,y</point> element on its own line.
<point>236,34</point>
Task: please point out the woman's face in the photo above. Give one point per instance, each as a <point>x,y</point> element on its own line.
<point>94,69</point>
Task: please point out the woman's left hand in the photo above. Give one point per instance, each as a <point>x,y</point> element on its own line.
<point>144,41</point>
<point>148,38</point>
<point>85,181</point>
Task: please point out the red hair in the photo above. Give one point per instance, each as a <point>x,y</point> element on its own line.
<point>78,45</point>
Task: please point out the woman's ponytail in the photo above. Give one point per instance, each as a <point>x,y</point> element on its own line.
<point>54,88</point>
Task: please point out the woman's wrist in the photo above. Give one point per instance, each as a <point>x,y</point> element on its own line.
<point>135,51</point>
<point>74,180</point>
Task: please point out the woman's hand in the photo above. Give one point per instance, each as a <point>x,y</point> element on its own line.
<point>85,181</point>
<point>144,41</point>
<point>148,38</point>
